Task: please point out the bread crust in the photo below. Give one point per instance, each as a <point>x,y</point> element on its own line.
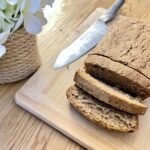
<point>118,74</point>
<point>109,94</point>
<point>100,113</point>
<point>128,43</point>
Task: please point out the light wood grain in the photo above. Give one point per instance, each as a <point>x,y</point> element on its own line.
<point>44,96</point>
<point>19,129</point>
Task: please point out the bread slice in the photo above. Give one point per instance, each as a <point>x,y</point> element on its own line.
<point>118,74</point>
<point>128,43</point>
<point>100,113</point>
<point>108,94</point>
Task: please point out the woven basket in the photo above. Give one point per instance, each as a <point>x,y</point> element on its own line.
<point>21,59</point>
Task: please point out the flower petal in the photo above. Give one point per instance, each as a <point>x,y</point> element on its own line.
<point>12,2</point>
<point>9,11</point>
<point>4,36</point>
<point>22,5</point>
<point>32,24</point>
<point>18,23</point>
<point>8,26</point>
<point>41,17</point>
<point>4,16</point>
<point>2,50</point>
<point>32,6</point>
<point>19,7</point>
<point>47,2</point>
<point>3,4</point>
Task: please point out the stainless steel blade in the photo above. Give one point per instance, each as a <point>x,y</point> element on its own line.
<point>82,45</point>
<point>88,39</point>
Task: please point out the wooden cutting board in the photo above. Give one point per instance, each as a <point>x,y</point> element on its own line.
<point>44,96</point>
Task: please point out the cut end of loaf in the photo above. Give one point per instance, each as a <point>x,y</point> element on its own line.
<point>109,94</point>
<point>118,74</point>
<point>100,113</point>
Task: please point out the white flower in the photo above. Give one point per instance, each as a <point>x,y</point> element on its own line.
<point>32,23</point>
<point>15,13</point>
<point>33,15</point>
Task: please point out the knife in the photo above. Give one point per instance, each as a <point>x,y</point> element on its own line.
<point>89,39</point>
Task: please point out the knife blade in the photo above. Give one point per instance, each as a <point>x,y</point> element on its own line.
<point>89,39</point>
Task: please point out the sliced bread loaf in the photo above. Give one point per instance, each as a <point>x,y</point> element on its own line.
<point>128,43</point>
<point>101,113</point>
<point>118,74</point>
<point>108,94</point>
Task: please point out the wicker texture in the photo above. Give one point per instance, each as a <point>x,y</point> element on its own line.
<point>22,58</point>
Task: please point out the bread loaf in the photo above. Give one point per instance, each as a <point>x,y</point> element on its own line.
<point>127,43</point>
